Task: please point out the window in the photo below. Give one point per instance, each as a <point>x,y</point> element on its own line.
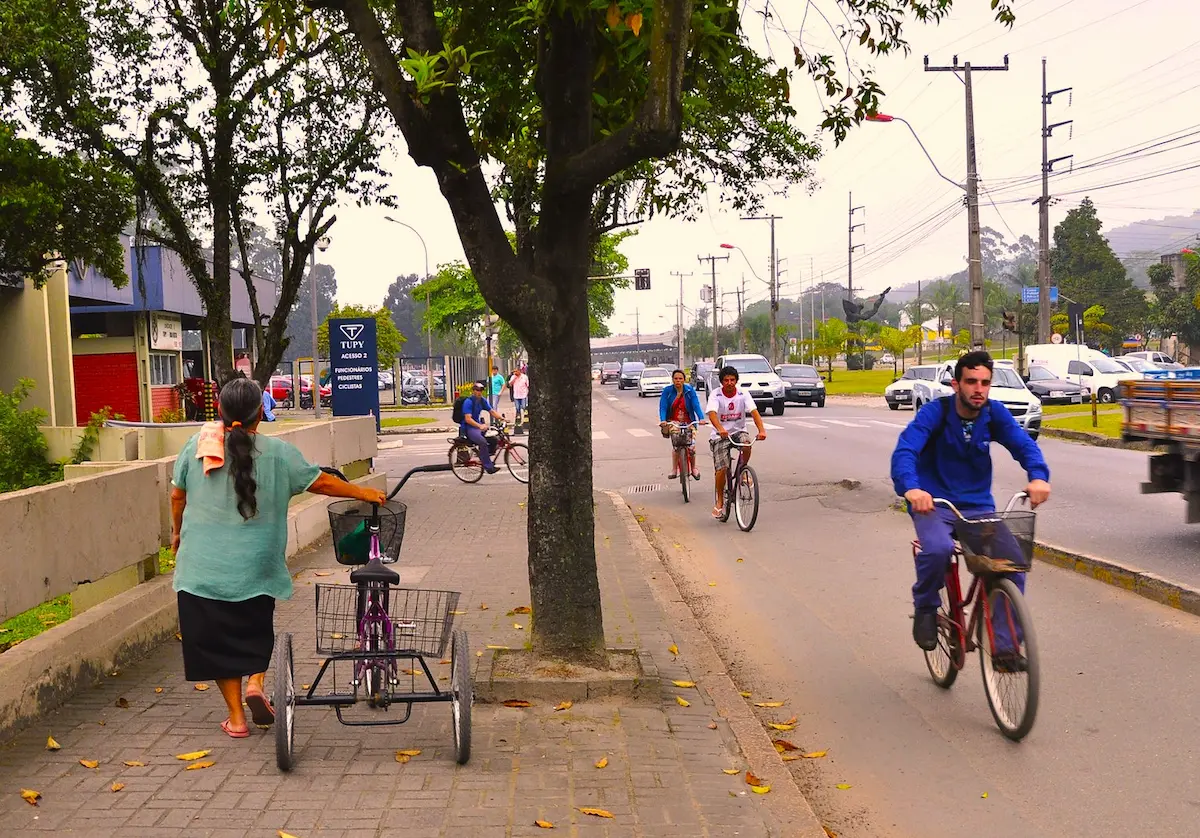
<point>1041,374</point>
<point>926,373</point>
<point>1002,377</point>
<point>164,372</point>
<point>1078,368</point>
<point>1106,365</point>
<point>749,365</point>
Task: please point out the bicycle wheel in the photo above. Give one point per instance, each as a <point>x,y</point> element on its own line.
<point>462,695</point>
<point>941,661</point>
<point>516,460</point>
<point>746,499</point>
<point>465,463</point>
<point>1012,695</point>
<point>284,699</point>
<point>684,462</point>
<point>375,676</point>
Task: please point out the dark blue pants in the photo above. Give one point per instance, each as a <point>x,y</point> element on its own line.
<point>935,531</point>
<point>477,439</point>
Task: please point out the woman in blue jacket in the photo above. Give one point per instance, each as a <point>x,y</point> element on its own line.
<point>679,403</point>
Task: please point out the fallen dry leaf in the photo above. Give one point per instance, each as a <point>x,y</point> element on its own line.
<point>496,648</point>
<point>655,529</point>
<point>192,755</point>
<point>323,573</point>
<point>984,795</point>
<point>752,780</point>
<point>483,606</point>
<point>602,762</point>
<point>682,702</point>
<point>784,727</point>
<point>479,654</point>
<point>673,649</point>
<point>712,584</point>
<point>89,763</point>
<point>829,832</point>
<point>305,686</point>
<point>544,824</point>
<point>740,560</point>
<point>768,704</point>
<point>410,752</point>
<point>595,813</point>
<point>51,745</point>
<point>30,796</point>
<point>158,689</point>
<point>791,721</point>
<point>712,725</point>
<point>123,703</point>
<point>518,626</point>
<point>815,755</point>
<point>458,613</point>
<point>564,705</point>
<point>117,786</point>
<point>731,771</point>
<point>336,636</point>
<point>684,684</point>
<point>677,545</point>
<point>522,609</point>
<point>202,687</point>
<point>792,757</point>
<point>402,758</point>
<point>446,661</point>
<point>517,702</point>
<point>102,722</point>
<point>844,786</point>
<point>411,671</point>
<point>178,636</point>
<point>281,834</point>
<point>198,765</point>
<point>760,789</point>
<point>782,745</point>
<point>133,763</point>
<point>745,695</point>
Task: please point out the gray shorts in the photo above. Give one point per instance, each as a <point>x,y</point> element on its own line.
<point>722,449</point>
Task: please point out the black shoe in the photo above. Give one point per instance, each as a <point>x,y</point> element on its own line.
<point>492,470</point>
<point>925,630</point>
<point>1010,662</point>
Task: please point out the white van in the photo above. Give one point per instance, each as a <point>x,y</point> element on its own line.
<point>1089,368</point>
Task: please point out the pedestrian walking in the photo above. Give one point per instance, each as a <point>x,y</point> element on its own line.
<point>518,387</point>
<point>229,503</point>
<point>497,388</point>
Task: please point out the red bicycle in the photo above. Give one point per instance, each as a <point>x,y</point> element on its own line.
<point>999,624</point>
<point>684,454</point>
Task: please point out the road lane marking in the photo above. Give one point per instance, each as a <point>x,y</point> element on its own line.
<point>800,424</point>
<point>599,435</point>
<point>840,422</point>
<point>771,427</point>
<point>888,424</point>
<point>637,432</point>
<point>611,398</point>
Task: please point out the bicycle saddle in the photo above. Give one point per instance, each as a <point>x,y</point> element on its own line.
<point>373,571</point>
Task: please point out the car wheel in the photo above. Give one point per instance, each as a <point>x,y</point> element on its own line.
<point>778,407</point>
<point>894,405</point>
<point>1105,396</point>
<point>821,403</point>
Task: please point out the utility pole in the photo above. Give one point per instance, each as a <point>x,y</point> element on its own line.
<point>1044,210</point>
<point>850,248</point>
<point>774,279</point>
<point>974,251</point>
<point>738,293</point>
<point>679,315</point>
<point>637,330</point>
<point>921,324</point>
<point>712,262</point>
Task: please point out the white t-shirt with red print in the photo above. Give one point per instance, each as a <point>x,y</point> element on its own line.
<point>731,410</point>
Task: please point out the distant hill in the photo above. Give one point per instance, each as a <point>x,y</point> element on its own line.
<point>1139,245</point>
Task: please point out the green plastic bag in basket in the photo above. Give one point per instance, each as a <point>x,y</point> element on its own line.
<point>355,546</point>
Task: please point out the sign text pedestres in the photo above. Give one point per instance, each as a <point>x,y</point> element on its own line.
<point>354,358</point>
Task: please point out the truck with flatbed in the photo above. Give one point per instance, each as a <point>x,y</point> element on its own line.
<point>1163,408</point>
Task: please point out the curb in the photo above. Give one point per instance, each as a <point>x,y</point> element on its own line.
<point>1098,440</point>
<point>787,802</point>
<point>440,429</point>
<point>1133,579</point>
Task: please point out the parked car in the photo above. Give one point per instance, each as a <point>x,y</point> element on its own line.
<point>386,380</point>
<point>900,391</point>
<point>306,393</point>
<point>610,371</point>
<point>1159,358</point>
<point>596,372</point>
<point>756,377</point>
<point>281,389</point>
<point>699,374</point>
<point>1054,390</point>
<point>1138,365</point>
<point>887,358</point>
<point>802,384</point>
<point>631,371</point>
<point>1087,367</point>
<point>1007,388</point>
<point>653,380</point>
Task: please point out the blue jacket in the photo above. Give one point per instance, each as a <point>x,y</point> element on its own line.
<point>948,466</point>
<point>689,398</point>
<point>475,408</point>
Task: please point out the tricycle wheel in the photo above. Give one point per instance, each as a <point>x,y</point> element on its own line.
<point>285,703</point>
<point>462,695</point>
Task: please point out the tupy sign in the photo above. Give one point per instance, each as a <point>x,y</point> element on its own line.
<point>353,355</point>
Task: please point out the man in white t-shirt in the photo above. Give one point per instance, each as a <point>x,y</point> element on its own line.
<point>727,409</point>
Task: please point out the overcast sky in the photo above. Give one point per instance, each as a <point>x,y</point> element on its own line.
<point>1135,69</point>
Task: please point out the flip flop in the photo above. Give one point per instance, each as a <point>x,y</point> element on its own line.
<point>260,709</point>
<point>234,734</point>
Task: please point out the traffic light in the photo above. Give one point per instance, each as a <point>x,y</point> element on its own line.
<point>1010,320</point>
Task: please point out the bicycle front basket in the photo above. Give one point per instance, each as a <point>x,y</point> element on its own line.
<point>1001,542</point>
<point>349,520</point>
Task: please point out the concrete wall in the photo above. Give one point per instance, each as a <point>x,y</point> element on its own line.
<point>29,348</point>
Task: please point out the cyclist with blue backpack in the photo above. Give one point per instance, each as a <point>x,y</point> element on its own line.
<point>945,453</point>
<point>469,415</point>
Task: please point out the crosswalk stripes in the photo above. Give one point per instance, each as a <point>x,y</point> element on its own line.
<point>810,425</point>
<point>771,427</point>
<point>599,435</point>
<point>637,432</point>
<point>844,424</point>
<point>888,424</point>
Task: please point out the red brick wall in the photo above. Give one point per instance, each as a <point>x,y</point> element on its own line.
<point>163,398</point>
<point>106,380</point>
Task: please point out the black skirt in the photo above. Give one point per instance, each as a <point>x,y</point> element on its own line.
<point>225,639</point>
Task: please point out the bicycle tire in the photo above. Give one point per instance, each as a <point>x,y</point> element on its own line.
<point>941,661</point>
<point>284,699</point>
<point>375,679</point>
<point>521,472</point>
<point>1012,725</point>
<point>462,695</point>
<point>469,472</point>
<point>746,513</point>
<point>683,461</point>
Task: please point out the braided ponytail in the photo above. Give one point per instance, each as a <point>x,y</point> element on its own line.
<point>241,400</point>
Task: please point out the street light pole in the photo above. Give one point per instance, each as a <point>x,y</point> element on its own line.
<point>428,328</point>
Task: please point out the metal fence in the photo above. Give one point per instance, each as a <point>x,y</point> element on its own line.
<point>411,380</point>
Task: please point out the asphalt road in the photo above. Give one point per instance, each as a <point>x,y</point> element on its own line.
<point>818,614</point>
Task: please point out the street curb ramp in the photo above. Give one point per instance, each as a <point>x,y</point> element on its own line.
<point>787,803</point>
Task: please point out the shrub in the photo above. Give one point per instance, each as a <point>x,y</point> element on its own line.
<point>169,415</point>
<point>91,436</point>
<point>23,449</point>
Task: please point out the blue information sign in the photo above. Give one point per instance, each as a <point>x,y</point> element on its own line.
<point>354,357</point>
<point>1030,295</point>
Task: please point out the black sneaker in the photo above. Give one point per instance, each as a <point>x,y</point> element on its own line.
<point>1010,662</point>
<point>925,630</point>
<point>492,470</point>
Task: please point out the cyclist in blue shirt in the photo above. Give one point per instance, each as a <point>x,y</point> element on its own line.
<point>473,427</point>
<point>944,453</point>
<point>679,403</point>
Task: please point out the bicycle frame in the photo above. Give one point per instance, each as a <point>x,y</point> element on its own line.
<point>735,469</point>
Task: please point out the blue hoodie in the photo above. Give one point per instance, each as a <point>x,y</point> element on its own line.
<point>689,398</point>
<point>949,467</point>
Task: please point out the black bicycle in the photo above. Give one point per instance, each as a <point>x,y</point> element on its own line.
<point>741,486</point>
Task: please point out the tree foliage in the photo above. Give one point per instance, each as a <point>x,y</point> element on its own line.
<point>388,338</point>
<point>23,449</point>
<point>897,342</point>
<point>1176,311</point>
<point>830,341</point>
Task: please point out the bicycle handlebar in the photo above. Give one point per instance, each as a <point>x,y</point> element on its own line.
<point>1019,496</point>
<point>694,424</point>
<point>430,469</point>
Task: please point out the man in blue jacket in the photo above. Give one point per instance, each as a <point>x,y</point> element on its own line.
<point>679,403</point>
<point>944,453</point>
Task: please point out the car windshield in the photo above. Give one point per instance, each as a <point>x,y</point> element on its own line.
<point>1004,377</point>
<point>1041,374</point>
<point>751,365</point>
<point>925,373</point>
<point>798,371</point>
<point>1106,365</point>
<point>1139,364</point>
<point>655,372</point>
<point>633,366</point>
<point>612,365</point>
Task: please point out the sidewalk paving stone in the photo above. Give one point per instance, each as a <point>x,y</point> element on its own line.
<point>663,778</point>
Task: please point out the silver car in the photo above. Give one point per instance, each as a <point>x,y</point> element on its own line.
<point>653,381</point>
